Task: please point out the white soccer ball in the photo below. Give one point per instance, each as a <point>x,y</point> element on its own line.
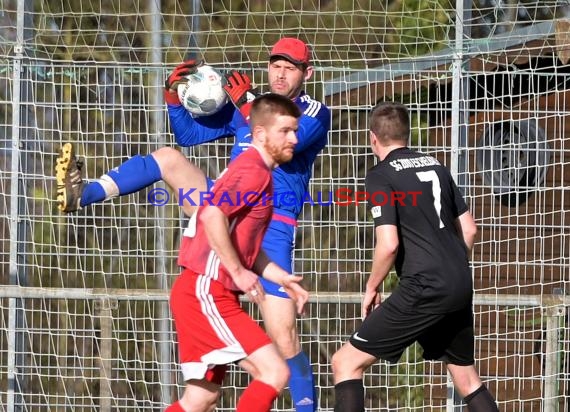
<point>203,94</point>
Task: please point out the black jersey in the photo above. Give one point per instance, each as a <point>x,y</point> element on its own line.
<point>417,194</point>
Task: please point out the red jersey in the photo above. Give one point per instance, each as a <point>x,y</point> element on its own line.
<point>243,192</point>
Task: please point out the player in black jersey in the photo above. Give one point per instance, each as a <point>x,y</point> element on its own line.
<point>424,229</point>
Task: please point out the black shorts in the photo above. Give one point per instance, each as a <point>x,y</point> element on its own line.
<point>388,331</point>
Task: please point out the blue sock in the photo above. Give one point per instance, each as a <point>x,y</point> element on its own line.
<point>131,176</point>
<point>92,193</point>
<point>302,383</point>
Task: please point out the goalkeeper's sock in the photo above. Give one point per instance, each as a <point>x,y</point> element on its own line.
<point>302,383</point>
<point>257,397</point>
<point>131,176</point>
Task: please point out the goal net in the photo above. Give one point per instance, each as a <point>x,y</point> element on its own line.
<point>84,311</point>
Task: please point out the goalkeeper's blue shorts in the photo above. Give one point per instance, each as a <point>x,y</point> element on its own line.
<point>279,245</point>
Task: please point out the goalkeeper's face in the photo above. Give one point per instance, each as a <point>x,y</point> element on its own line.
<point>286,78</point>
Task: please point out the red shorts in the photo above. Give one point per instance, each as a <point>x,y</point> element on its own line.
<point>213,330</point>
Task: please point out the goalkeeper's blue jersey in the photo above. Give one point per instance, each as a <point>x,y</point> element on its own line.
<point>290,180</point>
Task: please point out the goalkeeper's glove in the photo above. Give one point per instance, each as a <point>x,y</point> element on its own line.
<point>178,76</point>
<point>238,88</point>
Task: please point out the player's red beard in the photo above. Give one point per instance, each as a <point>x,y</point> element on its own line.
<point>280,154</point>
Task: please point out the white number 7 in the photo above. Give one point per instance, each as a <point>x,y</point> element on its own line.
<point>431,176</point>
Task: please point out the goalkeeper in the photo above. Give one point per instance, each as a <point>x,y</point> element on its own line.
<point>288,69</point>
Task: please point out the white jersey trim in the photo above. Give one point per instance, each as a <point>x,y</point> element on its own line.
<point>313,109</point>
<point>314,106</point>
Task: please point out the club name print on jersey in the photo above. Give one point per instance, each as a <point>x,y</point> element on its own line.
<point>414,162</point>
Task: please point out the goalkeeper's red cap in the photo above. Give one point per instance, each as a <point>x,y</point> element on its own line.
<point>292,49</point>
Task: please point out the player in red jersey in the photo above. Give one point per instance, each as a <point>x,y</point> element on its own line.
<point>221,254</point>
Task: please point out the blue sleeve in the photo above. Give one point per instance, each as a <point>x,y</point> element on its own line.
<point>313,128</point>
<point>190,131</point>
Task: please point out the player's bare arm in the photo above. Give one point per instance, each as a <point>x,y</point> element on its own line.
<point>467,229</point>
<point>385,253</point>
<point>291,283</point>
<point>216,226</point>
